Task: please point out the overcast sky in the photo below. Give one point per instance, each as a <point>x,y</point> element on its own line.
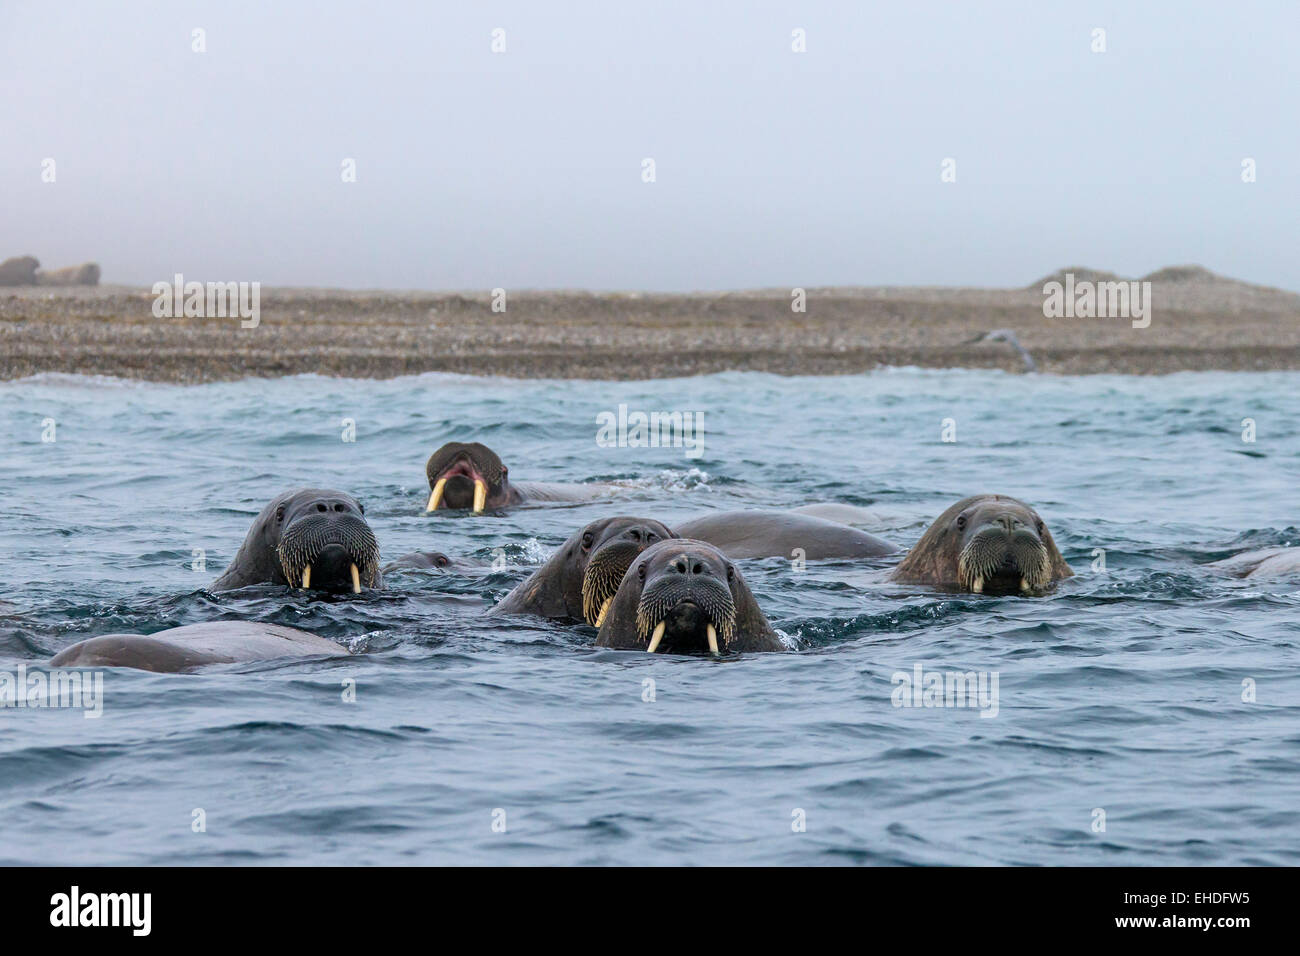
<point>477,169</point>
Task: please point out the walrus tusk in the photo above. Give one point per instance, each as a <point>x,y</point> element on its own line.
<point>657,636</point>
<point>435,498</point>
<point>306,576</point>
<point>356,580</point>
<point>713,639</point>
<point>1024,584</point>
<point>978,585</point>
<point>480,496</point>
<point>604,609</point>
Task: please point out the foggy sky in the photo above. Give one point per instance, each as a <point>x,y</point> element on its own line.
<point>523,169</point>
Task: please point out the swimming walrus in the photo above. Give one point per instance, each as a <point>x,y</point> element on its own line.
<point>472,475</point>
<point>986,544</point>
<point>682,596</point>
<point>775,534</point>
<point>309,538</point>
<point>420,560</point>
<point>580,579</point>
<point>1273,562</point>
<point>195,645</point>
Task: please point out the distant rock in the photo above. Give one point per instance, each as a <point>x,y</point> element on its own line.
<point>19,271</point>
<point>1080,273</point>
<point>85,274</point>
<point>1189,275</point>
<point>1184,274</point>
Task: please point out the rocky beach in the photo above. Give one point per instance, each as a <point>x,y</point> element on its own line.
<point>1198,321</point>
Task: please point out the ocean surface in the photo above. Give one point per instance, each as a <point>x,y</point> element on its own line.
<point>1147,710</point>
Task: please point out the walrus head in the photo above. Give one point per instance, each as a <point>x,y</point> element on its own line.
<point>326,544</point>
<point>467,475</point>
<point>608,547</point>
<point>582,576</point>
<point>986,544</point>
<point>310,538</point>
<point>683,596</point>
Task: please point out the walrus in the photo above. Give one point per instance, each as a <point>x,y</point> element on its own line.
<point>85,274</point>
<point>471,475</point>
<point>985,544</point>
<point>195,645</point>
<point>21,270</point>
<point>419,560</point>
<point>682,596</point>
<point>579,581</point>
<point>310,538</point>
<point>774,534</point>
<point>1263,563</point>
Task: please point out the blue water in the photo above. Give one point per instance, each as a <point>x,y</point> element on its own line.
<point>1120,692</point>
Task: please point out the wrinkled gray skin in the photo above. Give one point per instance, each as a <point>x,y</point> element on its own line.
<point>196,645</point>
<point>461,463</point>
<point>341,519</point>
<point>555,589</point>
<point>1263,563</point>
<point>778,534</point>
<point>695,578</point>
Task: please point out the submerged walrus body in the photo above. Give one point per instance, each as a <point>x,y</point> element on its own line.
<point>470,475</point>
<point>986,544</point>
<point>579,581</point>
<point>196,645</point>
<point>313,538</point>
<point>775,534</point>
<point>1263,563</point>
<point>685,597</point>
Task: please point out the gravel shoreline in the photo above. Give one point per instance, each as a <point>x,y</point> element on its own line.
<point>1199,322</point>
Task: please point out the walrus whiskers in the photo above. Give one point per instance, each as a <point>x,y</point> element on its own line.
<point>682,596</point>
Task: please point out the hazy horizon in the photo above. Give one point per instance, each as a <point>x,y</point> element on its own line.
<point>523,168</point>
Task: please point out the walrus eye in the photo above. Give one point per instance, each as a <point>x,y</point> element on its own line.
<point>731,572</point>
<point>361,507</point>
<point>1041,529</point>
<point>961,522</point>
<point>640,572</point>
<point>279,513</point>
<point>586,541</point>
<point>504,471</point>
